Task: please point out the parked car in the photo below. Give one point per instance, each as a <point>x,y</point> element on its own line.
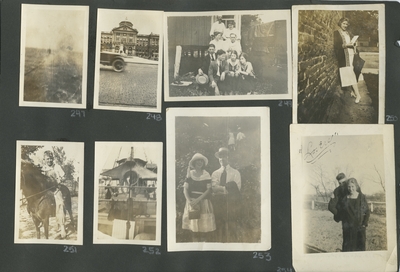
<point>115,60</point>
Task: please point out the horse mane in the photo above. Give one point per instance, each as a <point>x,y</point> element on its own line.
<point>33,178</point>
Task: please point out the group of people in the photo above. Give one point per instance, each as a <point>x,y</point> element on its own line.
<point>346,52</point>
<point>212,212</point>
<point>235,142</point>
<point>349,205</point>
<point>227,67</point>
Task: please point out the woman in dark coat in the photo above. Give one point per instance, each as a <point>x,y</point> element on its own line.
<point>354,211</point>
<point>344,51</point>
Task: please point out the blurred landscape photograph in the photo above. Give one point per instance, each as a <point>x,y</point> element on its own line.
<point>53,55</point>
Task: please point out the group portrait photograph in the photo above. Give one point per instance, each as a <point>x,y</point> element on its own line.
<point>227,55</point>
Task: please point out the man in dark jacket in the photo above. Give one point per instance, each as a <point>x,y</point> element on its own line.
<point>217,73</point>
<point>338,194</point>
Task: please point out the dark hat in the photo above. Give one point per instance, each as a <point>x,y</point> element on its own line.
<point>222,152</point>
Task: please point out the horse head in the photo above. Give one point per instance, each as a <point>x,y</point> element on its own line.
<point>32,180</point>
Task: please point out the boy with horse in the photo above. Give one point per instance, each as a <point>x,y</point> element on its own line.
<point>45,194</point>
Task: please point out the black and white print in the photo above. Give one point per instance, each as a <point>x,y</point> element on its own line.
<point>127,205</point>
<point>254,61</point>
<point>218,179</point>
<point>339,64</point>
<point>128,60</point>
<point>342,203</point>
<point>53,66</point>
<point>49,193</point>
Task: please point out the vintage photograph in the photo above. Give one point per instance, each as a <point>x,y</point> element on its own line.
<point>53,67</point>
<point>128,60</point>
<point>127,184</point>
<point>228,55</point>
<point>218,179</point>
<point>49,193</point>
<point>342,192</point>
<point>339,64</point>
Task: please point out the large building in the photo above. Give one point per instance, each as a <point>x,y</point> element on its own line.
<point>126,39</point>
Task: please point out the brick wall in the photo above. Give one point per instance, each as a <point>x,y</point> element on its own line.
<point>317,65</point>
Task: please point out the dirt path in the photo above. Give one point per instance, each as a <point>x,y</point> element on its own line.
<point>27,229</point>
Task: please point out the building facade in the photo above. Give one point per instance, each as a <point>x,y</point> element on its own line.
<point>126,39</point>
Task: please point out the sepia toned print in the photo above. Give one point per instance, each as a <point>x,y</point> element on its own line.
<point>53,56</point>
<point>339,64</point>
<point>49,193</point>
<point>227,55</point>
<point>127,205</point>
<point>341,202</point>
<point>219,199</point>
<point>128,60</point>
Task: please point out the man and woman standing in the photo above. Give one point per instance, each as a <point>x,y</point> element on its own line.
<point>349,205</point>
<point>216,197</point>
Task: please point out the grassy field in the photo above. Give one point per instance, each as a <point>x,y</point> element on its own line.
<point>53,76</point>
<point>324,233</point>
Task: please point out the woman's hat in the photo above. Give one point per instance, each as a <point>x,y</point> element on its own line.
<point>222,153</point>
<point>196,157</point>
<point>202,79</point>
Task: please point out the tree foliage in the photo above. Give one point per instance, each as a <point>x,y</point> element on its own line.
<point>206,135</point>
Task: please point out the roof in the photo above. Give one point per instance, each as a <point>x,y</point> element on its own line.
<point>130,165</point>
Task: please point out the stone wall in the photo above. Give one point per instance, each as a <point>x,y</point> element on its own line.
<point>318,79</point>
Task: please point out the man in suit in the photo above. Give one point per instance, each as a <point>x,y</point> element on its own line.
<point>207,60</point>
<point>205,65</point>
<point>226,185</point>
<point>217,72</point>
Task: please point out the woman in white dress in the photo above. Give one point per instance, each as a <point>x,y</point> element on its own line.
<point>197,191</point>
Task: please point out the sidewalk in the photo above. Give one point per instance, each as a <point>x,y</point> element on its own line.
<point>133,59</point>
<point>345,110</point>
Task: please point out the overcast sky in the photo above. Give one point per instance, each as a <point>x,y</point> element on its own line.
<point>355,156</point>
<point>144,22</point>
<point>107,153</point>
<point>50,27</point>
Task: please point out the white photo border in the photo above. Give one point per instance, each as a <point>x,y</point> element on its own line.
<point>385,260</point>
<point>96,104</point>
<point>25,8</point>
<point>382,49</point>
<point>97,170</point>
<point>265,186</point>
<point>287,96</point>
<point>79,227</point>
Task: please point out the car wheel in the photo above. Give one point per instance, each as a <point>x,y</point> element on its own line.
<point>118,65</point>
